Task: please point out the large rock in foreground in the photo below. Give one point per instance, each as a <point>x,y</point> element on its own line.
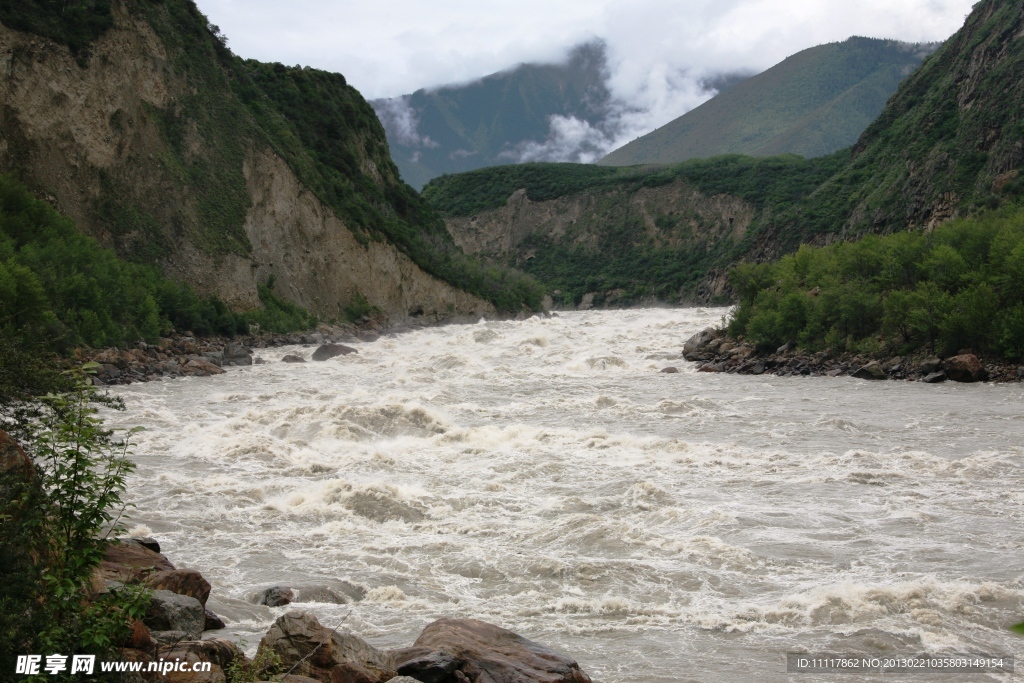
<point>337,657</point>
<point>469,650</point>
<point>965,368</point>
<point>172,612</point>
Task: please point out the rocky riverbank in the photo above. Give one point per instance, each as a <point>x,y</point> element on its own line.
<point>297,648</point>
<point>715,352</point>
<point>185,355</point>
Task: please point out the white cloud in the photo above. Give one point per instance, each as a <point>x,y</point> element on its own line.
<point>401,121</point>
<point>659,50</point>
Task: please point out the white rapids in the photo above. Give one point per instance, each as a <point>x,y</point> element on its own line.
<point>543,475</point>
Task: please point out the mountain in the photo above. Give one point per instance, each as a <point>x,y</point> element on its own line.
<point>813,103</point>
<point>949,143</point>
<point>135,120</point>
<point>503,118</point>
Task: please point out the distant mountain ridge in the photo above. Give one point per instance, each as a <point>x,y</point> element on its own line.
<point>949,144</point>
<point>813,103</point>
<point>487,122</point>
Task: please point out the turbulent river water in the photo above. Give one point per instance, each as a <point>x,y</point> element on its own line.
<point>545,476</point>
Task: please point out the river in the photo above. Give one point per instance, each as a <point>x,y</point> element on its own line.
<point>543,475</point>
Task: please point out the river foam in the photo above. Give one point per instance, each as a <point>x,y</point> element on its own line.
<point>545,476</point>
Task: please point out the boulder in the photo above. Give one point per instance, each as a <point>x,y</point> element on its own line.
<point>200,367</point>
<point>328,351</point>
<point>212,622</point>
<point>237,353</point>
<point>455,650</point>
<point>934,377</point>
<point>1020,371</point>
<point>13,459</point>
<point>292,358</point>
<point>181,581</point>
<point>170,637</point>
<point>930,365</point>
<point>126,560</point>
<point>786,348</point>
<point>367,336</point>
<point>169,611</point>
<point>965,368</point>
<point>219,652</point>
<point>670,370</point>
<point>147,542</point>
<point>298,634</point>
<point>699,341</point>
<point>276,596</point>
<point>872,370</point>
<point>403,679</point>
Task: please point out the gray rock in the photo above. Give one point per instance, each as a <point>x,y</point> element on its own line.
<point>328,351</point>
<point>237,354</point>
<point>931,365</point>
<point>1020,371</point>
<point>169,611</point>
<point>759,369</point>
<point>787,347</point>
<point>148,542</point>
<point>934,377</point>
<point>872,370</point>
<point>670,370</point>
<point>292,358</point>
<point>169,637</point>
<point>403,679</point>
<point>215,357</point>
<point>276,596</point>
<point>699,340</point>
<point>477,651</point>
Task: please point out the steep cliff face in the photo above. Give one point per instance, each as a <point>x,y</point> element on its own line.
<point>672,216</point>
<point>145,143</point>
<point>599,246</point>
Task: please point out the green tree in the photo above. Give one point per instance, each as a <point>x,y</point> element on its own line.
<point>56,526</point>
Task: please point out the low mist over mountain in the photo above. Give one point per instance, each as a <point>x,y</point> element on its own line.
<point>534,112</point>
<point>813,103</point>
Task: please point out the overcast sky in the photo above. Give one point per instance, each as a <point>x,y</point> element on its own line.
<point>658,50</point>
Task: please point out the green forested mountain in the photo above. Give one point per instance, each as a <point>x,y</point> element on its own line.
<point>950,143</point>
<point>463,127</point>
<point>816,102</point>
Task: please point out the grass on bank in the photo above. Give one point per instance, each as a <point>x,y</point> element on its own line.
<point>960,286</point>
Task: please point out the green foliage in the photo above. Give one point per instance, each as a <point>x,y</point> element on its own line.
<point>278,315</point>
<point>465,194</point>
<point>620,257</point>
<point>358,308</point>
<point>55,529</point>
<point>957,287</point>
<point>60,289</point>
<point>75,23</point>
<point>266,666</point>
